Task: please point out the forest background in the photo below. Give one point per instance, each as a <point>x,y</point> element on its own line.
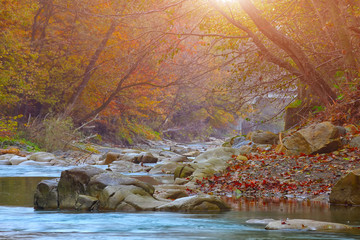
<point>125,71</point>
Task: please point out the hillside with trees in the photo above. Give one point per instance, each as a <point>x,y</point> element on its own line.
<point>125,71</point>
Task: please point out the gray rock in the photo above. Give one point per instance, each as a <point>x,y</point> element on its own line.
<point>127,198</point>
<point>46,195</point>
<point>212,161</point>
<point>347,189</point>
<point>183,171</point>
<point>5,162</point>
<point>246,149</point>
<point>86,203</point>
<point>135,157</point>
<point>180,150</point>
<point>34,163</point>
<point>178,159</point>
<point>42,157</point>
<point>16,160</point>
<point>102,180</point>
<point>264,137</point>
<point>125,166</point>
<point>181,181</point>
<point>59,162</point>
<point>197,203</point>
<point>318,138</point>
<point>167,168</point>
<point>73,183</point>
<point>238,142</point>
<point>170,191</point>
<point>7,156</point>
<point>305,224</point>
<point>146,157</point>
<point>192,153</point>
<point>169,154</point>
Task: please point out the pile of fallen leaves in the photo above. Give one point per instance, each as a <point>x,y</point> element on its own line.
<point>270,174</point>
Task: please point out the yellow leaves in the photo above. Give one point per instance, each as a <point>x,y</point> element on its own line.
<point>9,125</point>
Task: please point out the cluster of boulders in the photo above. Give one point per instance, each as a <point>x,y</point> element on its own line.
<point>321,137</point>
<point>33,159</point>
<point>317,138</point>
<point>90,188</point>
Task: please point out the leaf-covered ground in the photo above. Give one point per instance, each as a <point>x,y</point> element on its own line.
<point>269,174</point>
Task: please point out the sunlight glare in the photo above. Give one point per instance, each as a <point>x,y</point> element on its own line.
<point>227,1</point>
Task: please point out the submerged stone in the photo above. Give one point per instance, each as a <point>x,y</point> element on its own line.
<point>305,224</point>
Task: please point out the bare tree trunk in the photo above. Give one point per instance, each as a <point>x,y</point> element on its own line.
<point>344,42</point>
<point>113,94</point>
<point>40,24</point>
<point>89,69</point>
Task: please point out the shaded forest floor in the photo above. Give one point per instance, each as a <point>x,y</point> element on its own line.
<point>268,174</point>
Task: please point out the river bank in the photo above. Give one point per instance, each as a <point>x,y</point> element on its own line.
<point>268,174</point>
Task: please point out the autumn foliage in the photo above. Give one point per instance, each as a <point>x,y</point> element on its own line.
<point>183,68</point>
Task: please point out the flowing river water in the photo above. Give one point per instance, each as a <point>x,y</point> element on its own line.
<point>18,219</point>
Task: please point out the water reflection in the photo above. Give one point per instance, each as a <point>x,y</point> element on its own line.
<point>18,191</point>
<point>25,223</point>
<point>288,208</point>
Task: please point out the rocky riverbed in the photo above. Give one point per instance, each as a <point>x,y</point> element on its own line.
<point>261,166</point>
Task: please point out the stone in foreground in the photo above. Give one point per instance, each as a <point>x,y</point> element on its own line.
<point>318,138</point>
<point>91,189</point>
<point>305,224</point>
<point>73,183</point>
<point>347,189</point>
<point>212,161</point>
<point>197,203</point>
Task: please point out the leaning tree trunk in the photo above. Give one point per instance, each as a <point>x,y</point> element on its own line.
<point>310,75</point>
<point>89,69</point>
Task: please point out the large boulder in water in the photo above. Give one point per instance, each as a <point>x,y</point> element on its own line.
<point>90,188</point>
<point>318,138</point>
<point>86,203</point>
<point>197,203</point>
<point>305,224</point>
<point>102,180</point>
<point>347,189</point>
<point>128,198</point>
<point>73,183</point>
<point>46,194</point>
